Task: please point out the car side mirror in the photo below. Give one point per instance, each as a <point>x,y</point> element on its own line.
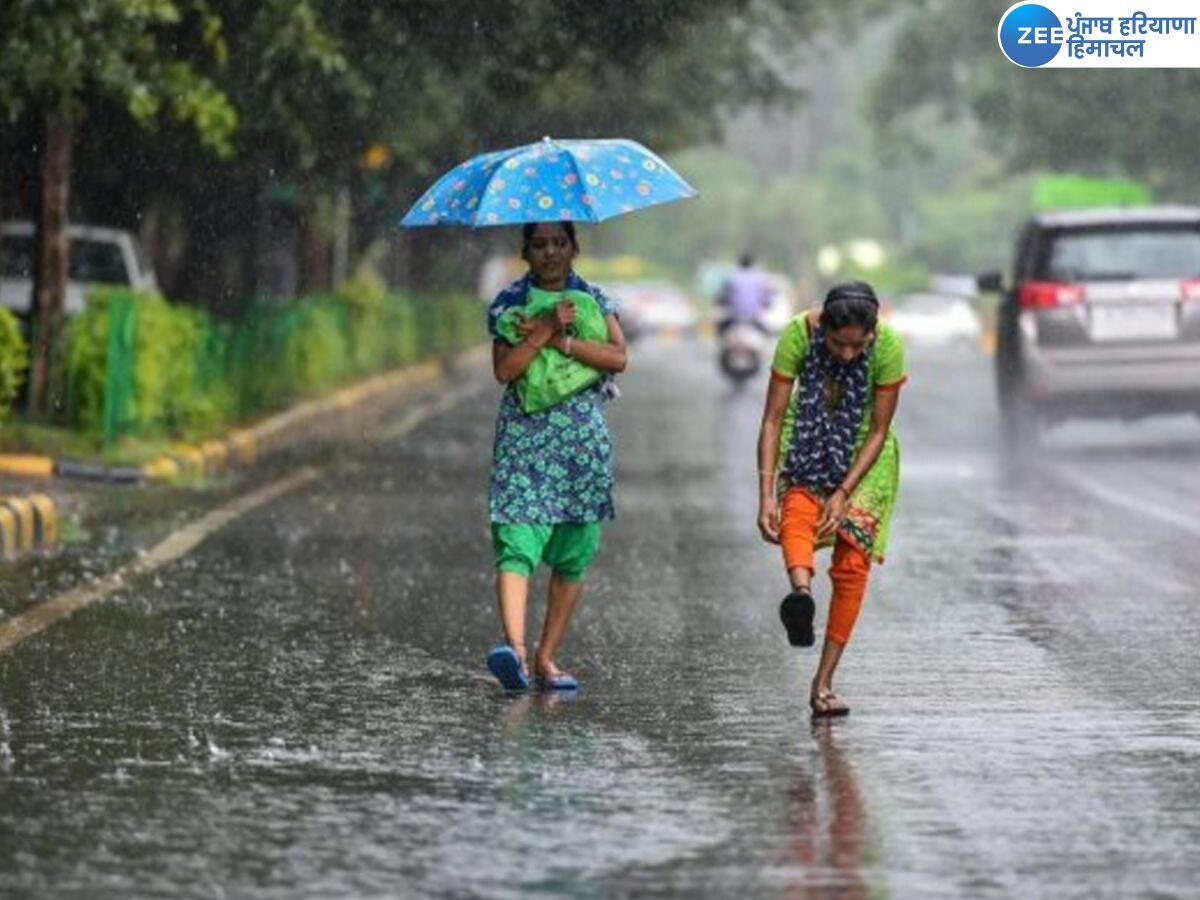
<point>990,282</point>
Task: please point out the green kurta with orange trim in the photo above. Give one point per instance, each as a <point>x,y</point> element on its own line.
<point>869,510</point>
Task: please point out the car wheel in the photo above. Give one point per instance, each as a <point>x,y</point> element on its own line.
<point>1022,423</point>
<point>1020,419</point>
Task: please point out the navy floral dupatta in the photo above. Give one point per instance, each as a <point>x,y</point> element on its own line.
<point>830,399</point>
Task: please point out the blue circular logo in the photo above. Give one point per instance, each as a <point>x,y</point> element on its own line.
<point>1030,35</point>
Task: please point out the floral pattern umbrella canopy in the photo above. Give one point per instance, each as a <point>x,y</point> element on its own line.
<point>583,181</point>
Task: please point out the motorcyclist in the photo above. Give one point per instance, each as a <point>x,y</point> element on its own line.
<point>745,296</point>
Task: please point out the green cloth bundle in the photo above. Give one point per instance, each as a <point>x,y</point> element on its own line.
<point>553,377</point>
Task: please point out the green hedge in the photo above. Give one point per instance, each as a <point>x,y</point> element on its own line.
<point>165,365</point>
<point>14,358</point>
<point>188,375</point>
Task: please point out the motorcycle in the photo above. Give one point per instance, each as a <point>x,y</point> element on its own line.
<point>742,350</point>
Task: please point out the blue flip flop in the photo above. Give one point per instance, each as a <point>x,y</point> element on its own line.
<point>560,682</point>
<point>504,663</point>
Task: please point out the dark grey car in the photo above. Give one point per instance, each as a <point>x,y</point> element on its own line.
<point>1102,317</point>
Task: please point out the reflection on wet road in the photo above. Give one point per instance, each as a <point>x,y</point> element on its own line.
<point>298,708</point>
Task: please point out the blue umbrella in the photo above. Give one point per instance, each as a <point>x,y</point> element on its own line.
<point>585,181</point>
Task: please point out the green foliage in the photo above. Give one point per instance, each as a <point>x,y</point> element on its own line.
<point>316,354</point>
<point>170,396</point>
<point>53,52</point>
<point>14,358</point>
<point>279,354</point>
<point>1099,122</point>
<point>191,377</point>
<point>364,300</point>
<point>404,345</point>
<point>87,362</point>
<point>295,90</point>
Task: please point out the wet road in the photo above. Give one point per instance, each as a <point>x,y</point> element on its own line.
<point>298,708</point>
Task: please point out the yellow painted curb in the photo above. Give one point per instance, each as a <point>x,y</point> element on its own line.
<point>243,446</point>
<point>22,510</point>
<point>8,533</point>
<point>246,445</point>
<point>216,456</point>
<point>26,465</point>
<point>161,468</point>
<point>45,525</point>
<point>190,458</point>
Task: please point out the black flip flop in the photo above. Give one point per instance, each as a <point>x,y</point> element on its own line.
<point>796,612</point>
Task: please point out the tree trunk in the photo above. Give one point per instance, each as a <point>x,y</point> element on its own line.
<point>315,253</point>
<point>47,394</point>
<point>4,181</point>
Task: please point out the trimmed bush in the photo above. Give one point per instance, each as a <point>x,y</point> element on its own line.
<point>14,359</point>
<point>169,345</point>
<point>180,374</point>
<point>366,305</point>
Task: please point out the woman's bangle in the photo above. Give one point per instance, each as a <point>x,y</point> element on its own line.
<point>842,488</point>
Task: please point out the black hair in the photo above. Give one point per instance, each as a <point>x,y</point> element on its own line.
<point>850,303</point>
<point>530,227</point>
<point>746,260</point>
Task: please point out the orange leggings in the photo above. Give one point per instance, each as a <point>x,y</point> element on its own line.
<point>798,518</point>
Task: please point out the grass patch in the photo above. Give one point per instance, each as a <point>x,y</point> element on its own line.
<point>64,443</point>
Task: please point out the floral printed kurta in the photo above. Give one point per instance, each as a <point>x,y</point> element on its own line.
<point>554,465</point>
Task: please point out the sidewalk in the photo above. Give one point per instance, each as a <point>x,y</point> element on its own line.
<point>38,492</point>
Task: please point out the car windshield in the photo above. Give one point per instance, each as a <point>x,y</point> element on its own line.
<point>97,262</point>
<point>1116,255</point>
<point>16,256</point>
<point>91,262</point>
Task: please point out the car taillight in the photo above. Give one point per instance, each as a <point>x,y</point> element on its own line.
<point>1189,291</point>
<point>1048,294</point>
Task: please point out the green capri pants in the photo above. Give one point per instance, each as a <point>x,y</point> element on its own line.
<point>568,548</point>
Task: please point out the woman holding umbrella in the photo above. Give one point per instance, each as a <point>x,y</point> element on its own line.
<point>551,481</point>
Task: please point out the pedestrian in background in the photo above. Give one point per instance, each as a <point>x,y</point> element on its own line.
<point>829,463</point>
<point>552,475</point>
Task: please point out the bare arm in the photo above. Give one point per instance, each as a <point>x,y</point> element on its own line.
<point>779,394</point>
<point>605,356</point>
<point>509,361</point>
<point>882,414</point>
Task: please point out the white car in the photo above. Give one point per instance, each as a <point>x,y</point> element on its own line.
<point>934,320</point>
<point>653,307</point>
<point>97,256</point>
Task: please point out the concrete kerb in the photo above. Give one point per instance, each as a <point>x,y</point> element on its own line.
<point>246,445</point>
<point>26,523</point>
<point>26,465</point>
<point>242,446</point>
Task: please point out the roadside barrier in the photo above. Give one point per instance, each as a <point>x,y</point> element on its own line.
<point>26,524</point>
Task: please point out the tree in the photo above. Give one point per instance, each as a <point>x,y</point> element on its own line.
<point>55,53</point>
<point>1099,121</point>
<point>316,83</point>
